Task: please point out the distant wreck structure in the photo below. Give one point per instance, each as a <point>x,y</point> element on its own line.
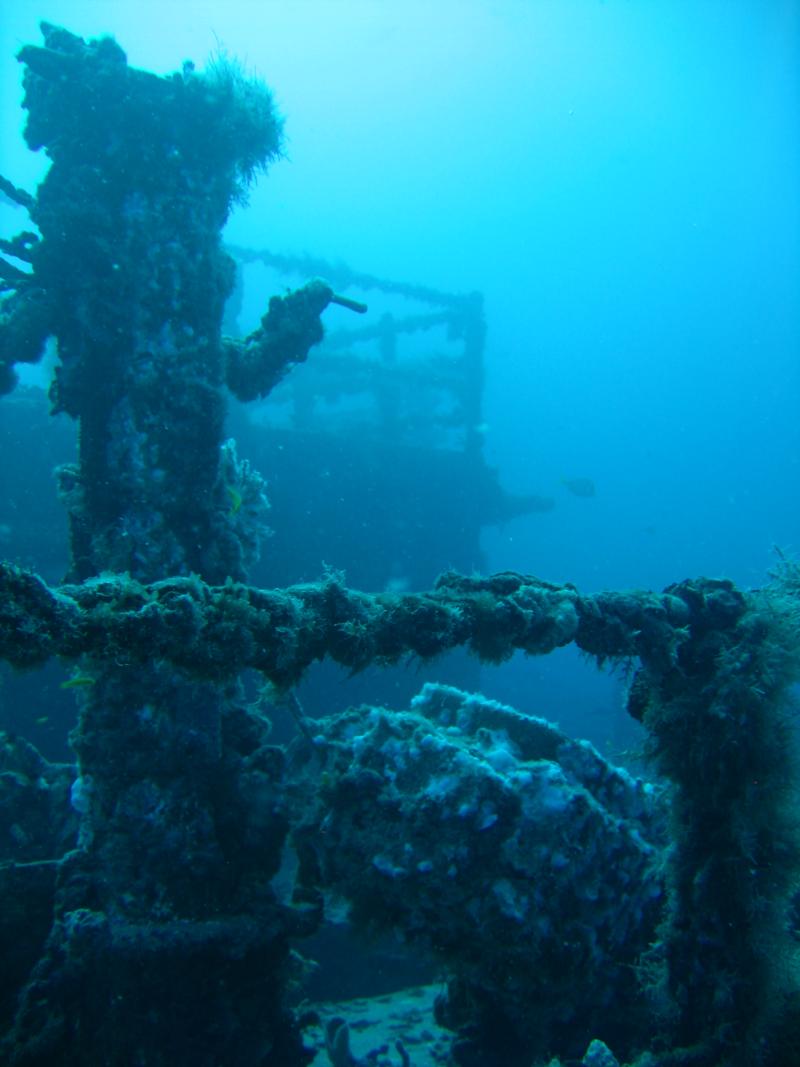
<point>389,411</point>
<point>159,886</point>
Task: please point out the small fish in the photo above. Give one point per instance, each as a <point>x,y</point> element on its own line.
<point>236,498</point>
<point>78,681</point>
<point>579,486</point>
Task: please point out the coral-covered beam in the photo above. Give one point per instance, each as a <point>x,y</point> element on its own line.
<point>218,631</point>
<point>291,325</point>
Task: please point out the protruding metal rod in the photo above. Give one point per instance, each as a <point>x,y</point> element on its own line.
<point>345,302</point>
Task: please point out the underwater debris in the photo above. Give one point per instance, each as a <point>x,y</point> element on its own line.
<point>521,860</point>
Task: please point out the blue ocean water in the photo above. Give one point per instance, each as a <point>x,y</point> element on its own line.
<point>620,183</point>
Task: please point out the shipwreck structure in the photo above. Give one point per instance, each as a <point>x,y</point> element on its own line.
<point>390,410</point>
<point>570,905</point>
